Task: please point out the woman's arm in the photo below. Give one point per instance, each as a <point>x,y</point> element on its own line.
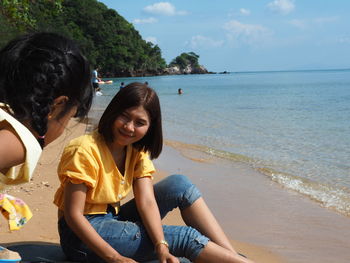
<point>12,151</point>
<point>149,212</point>
<point>74,202</point>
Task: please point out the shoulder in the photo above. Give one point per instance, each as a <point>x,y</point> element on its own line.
<point>85,142</point>
<point>80,141</point>
<point>136,153</point>
<point>12,150</point>
<point>16,127</point>
<point>140,156</point>
<point>83,150</point>
<point>92,144</point>
<point>87,139</point>
<point>16,140</point>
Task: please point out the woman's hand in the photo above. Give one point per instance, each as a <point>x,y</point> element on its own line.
<point>164,255</point>
<point>122,259</point>
<point>169,259</point>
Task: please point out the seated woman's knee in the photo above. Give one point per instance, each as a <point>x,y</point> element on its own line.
<point>187,191</point>
<point>180,180</point>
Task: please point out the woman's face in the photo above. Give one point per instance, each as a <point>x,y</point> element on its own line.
<point>56,122</point>
<point>56,125</point>
<point>131,126</point>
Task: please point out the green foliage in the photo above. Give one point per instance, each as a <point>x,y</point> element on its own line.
<point>185,59</point>
<point>16,12</point>
<point>19,13</point>
<point>21,16</point>
<point>105,37</point>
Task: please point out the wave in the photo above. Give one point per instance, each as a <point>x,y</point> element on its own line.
<point>328,196</point>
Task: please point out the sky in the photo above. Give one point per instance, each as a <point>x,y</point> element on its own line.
<point>246,35</point>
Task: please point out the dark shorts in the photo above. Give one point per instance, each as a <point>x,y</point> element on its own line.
<point>95,85</point>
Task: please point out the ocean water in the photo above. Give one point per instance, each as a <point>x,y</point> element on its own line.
<point>293,127</point>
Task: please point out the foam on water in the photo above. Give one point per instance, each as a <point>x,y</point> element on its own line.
<point>332,197</point>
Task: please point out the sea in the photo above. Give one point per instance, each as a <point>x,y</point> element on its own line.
<point>291,126</point>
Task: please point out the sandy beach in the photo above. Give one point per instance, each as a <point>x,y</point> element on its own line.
<point>38,194</point>
<point>263,220</point>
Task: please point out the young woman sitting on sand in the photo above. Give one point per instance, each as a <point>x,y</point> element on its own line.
<point>44,81</point>
<point>98,170</point>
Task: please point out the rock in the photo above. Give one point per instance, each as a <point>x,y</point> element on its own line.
<point>175,70</point>
<point>45,183</point>
<point>199,70</point>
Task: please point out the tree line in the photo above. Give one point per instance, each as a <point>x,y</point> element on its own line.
<point>105,37</point>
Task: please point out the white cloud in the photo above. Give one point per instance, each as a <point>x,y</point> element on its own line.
<point>247,33</point>
<point>309,23</point>
<point>163,8</point>
<point>199,41</point>
<point>281,6</point>
<point>153,40</point>
<point>149,20</point>
<point>240,12</point>
<point>244,12</point>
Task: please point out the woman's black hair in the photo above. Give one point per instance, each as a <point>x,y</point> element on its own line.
<point>39,67</point>
<point>133,95</point>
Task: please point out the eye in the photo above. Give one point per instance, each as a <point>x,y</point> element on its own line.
<point>140,123</point>
<point>123,117</point>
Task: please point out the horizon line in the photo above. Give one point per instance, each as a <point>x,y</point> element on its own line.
<point>286,70</point>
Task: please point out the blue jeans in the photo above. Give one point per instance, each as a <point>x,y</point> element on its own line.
<point>126,233</point>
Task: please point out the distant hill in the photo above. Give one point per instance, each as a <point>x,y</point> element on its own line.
<point>105,37</point>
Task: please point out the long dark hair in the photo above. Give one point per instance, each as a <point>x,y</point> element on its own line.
<point>39,67</point>
<point>133,95</point>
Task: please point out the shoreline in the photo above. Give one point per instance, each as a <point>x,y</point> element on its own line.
<point>328,196</point>
<point>256,210</point>
<point>38,194</point>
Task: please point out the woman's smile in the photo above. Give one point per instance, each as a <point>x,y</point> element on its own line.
<point>126,134</point>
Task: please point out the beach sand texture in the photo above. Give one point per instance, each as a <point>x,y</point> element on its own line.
<point>38,194</point>
<point>265,222</point>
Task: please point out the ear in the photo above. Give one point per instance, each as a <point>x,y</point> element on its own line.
<point>58,105</point>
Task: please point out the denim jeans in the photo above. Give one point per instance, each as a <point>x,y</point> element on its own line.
<point>126,233</point>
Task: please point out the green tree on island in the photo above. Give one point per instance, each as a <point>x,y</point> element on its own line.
<point>185,59</point>
<point>105,37</point>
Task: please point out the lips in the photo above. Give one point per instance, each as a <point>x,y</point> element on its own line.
<point>126,134</point>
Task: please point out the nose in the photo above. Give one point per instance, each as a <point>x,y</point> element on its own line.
<point>129,126</point>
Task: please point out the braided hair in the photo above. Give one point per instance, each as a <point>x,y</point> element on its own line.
<point>39,67</point>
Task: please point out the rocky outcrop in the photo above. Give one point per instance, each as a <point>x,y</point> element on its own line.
<point>176,70</point>
<point>172,70</point>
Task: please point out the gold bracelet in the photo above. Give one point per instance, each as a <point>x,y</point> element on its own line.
<point>161,242</point>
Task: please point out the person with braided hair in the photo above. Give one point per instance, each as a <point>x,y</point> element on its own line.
<point>44,81</point>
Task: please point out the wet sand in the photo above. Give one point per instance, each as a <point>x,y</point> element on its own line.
<point>255,210</point>
<point>38,194</point>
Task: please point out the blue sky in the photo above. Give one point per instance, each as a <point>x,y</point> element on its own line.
<point>246,35</point>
